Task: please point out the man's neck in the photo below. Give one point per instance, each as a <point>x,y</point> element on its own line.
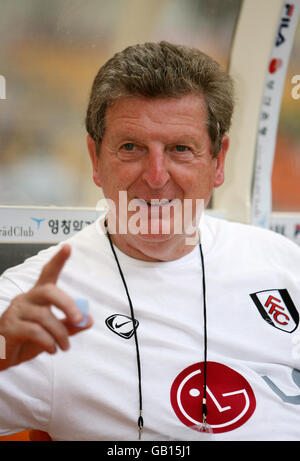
<point>167,249</point>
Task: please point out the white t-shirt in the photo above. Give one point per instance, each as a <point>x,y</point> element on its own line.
<point>90,392</point>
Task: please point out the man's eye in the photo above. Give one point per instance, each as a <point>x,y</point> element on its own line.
<point>181,148</point>
<point>130,152</point>
<point>181,153</point>
<point>129,146</point>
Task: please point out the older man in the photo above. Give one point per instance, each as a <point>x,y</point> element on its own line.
<point>192,320</point>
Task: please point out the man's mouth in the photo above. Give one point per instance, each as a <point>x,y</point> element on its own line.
<point>155,202</point>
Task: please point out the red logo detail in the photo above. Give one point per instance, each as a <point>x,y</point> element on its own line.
<point>274,310</point>
<point>274,65</point>
<point>230,398</point>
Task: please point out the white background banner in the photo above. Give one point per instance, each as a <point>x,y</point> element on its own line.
<point>269,116</point>
<point>43,225</point>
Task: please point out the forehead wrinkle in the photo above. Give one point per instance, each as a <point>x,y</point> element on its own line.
<point>126,107</point>
<point>139,119</point>
<point>135,129</point>
<point>179,117</point>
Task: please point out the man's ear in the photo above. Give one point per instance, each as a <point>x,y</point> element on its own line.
<point>92,148</point>
<point>220,162</point>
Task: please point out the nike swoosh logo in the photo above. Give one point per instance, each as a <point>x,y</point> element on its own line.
<point>121,324</point>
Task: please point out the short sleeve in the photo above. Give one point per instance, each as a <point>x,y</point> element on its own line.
<point>26,395</point>
<point>26,389</point>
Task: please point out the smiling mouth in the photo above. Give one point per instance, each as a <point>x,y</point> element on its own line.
<point>155,202</point>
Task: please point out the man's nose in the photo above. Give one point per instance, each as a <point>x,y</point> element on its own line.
<point>156,172</point>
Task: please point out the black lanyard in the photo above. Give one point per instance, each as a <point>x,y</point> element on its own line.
<point>140,422</point>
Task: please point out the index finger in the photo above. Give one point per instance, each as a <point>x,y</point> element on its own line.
<point>52,269</point>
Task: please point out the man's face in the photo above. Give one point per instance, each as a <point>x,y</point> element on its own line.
<point>157,149</point>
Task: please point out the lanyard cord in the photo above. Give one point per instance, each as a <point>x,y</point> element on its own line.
<point>204,406</point>
<point>140,421</point>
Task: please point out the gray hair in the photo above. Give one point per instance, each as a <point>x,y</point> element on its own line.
<point>162,70</point>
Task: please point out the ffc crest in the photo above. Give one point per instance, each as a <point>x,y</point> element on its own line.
<point>277,308</point>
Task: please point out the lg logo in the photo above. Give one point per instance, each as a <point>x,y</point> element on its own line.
<point>231,400</point>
